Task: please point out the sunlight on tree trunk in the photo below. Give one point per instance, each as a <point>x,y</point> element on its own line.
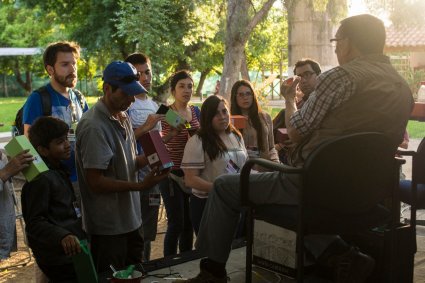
<point>309,31</point>
<point>238,29</point>
<point>244,68</point>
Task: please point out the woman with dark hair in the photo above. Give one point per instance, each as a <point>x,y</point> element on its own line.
<point>216,149</point>
<point>258,134</point>
<point>176,201</point>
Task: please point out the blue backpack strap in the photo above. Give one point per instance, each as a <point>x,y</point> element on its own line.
<point>197,112</point>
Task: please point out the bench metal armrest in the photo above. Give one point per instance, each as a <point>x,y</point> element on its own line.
<point>406,152</point>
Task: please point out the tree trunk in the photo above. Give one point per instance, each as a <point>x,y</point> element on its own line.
<point>309,32</point>
<point>6,93</point>
<point>238,29</point>
<point>204,75</point>
<point>244,68</point>
<point>27,84</point>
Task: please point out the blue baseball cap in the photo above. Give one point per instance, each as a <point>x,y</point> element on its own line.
<point>125,76</point>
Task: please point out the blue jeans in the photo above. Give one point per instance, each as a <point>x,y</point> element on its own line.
<point>197,206</point>
<point>406,193</point>
<point>222,212</point>
<point>179,228</point>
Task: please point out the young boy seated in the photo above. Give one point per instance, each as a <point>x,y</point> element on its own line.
<point>49,207</point>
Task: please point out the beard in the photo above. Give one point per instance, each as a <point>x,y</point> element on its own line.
<point>66,81</point>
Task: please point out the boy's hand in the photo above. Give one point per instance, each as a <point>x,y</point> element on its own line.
<point>71,245</point>
<point>154,177</point>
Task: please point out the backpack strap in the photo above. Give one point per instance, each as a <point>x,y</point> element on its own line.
<point>197,113</point>
<point>80,97</point>
<point>46,103</point>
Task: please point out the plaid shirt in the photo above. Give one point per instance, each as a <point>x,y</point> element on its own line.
<point>334,87</point>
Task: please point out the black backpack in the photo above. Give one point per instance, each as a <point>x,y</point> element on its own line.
<point>46,105</point>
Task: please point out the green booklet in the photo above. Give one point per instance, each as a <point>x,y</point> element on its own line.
<point>173,118</point>
<point>83,265</point>
<point>19,144</point>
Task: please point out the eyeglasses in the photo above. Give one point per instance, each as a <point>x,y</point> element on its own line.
<point>306,75</point>
<point>244,94</point>
<point>333,41</point>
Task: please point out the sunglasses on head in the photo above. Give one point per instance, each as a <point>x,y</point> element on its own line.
<point>127,79</point>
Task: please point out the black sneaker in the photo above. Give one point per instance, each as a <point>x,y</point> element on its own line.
<point>352,266</point>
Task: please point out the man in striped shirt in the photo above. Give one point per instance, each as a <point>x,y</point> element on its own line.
<point>365,93</point>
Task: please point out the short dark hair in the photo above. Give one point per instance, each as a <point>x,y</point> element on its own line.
<point>177,76</point>
<point>45,129</point>
<point>307,61</point>
<point>138,58</point>
<point>365,32</point>
<point>51,52</point>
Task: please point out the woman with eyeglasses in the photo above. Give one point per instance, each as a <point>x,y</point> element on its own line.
<point>217,148</point>
<point>258,134</point>
<point>176,201</point>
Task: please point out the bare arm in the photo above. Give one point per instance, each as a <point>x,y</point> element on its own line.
<point>26,129</point>
<point>193,180</point>
<point>141,161</point>
<point>172,133</point>
<point>288,92</point>
<point>273,155</point>
<point>150,123</point>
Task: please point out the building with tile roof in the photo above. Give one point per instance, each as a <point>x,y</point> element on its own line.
<point>409,41</point>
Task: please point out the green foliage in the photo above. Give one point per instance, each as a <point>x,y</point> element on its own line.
<point>268,40</point>
<point>414,78</point>
<point>157,27</point>
<point>182,33</point>
<point>24,27</point>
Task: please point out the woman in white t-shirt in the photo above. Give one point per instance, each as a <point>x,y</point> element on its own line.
<point>216,149</point>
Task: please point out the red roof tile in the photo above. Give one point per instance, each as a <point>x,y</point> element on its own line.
<point>405,39</point>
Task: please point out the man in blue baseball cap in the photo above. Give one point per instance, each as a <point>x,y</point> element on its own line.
<point>107,167</point>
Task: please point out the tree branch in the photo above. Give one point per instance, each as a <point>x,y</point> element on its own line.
<point>259,16</point>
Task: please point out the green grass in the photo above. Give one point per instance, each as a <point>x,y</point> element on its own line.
<point>9,106</point>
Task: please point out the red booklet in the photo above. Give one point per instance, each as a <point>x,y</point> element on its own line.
<point>238,121</point>
<point>155,150</point>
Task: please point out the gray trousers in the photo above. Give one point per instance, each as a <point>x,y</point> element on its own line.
<point>221,214</point>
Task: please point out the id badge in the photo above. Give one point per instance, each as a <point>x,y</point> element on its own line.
<point>77,209</point>
<point>154,199</point>
<point>231,167</point>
